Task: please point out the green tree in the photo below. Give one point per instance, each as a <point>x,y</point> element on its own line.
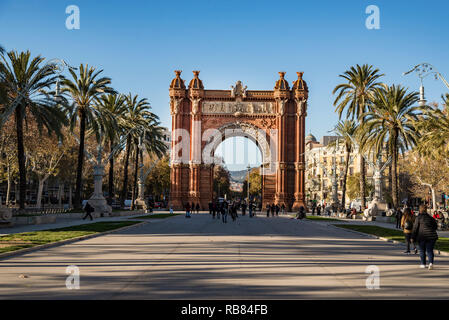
<point>158,180</point>
<point>353,187</point>
<point>143,129</point>
<point>434,129</point>
<point>255,183</point>
<point>83,90</point>
<point>346,130</point>
<point>355,97</point>
<point>392,123</point>
<point>113,104</point>
<point>25,85</point>
<point>222,181</point>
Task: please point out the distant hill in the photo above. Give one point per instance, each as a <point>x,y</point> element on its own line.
<point>238,176</point>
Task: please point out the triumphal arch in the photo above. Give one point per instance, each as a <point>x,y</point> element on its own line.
<point>202,119</point>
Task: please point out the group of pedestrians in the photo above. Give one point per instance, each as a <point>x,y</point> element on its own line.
<point>224,208</point>
<point>421,232</point>
<point>191,208</point>
<point>316,208</point>
<point>274,209</point>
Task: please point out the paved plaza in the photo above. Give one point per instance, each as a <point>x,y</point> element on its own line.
<point>202,258</point>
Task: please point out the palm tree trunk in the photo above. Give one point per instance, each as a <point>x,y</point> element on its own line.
<point>394,174</point>
<point>79,170</point>
<point>136,167</point>
<point>21,158</point>
<point>125,172</point>
<point>40,189</point>
<point>111,178</point>
<point>345,177</point>
<point>8,190</point>
<point>362,181</point>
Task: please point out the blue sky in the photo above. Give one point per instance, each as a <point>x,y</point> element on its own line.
<point>140,43</point>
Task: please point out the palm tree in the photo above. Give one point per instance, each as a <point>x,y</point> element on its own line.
<point>346,130</point>
<point>142,125</point>
<point>434,129</point>
<point>392,123</point>
<point>24,84</point>
<point>355,96</point>
<point>114,105</point>
<point>83,91</point>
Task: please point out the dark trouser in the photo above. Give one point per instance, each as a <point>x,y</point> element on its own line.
<point>398,222</point>
<point>426,246</point>
<point>408,240</point>
<point>88,214</point>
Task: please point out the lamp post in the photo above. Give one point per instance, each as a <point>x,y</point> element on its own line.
<point>247,184</point>
<point>423,70</point>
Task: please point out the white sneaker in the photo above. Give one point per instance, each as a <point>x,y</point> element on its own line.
<point>430,266</point>
<point>422,266</point>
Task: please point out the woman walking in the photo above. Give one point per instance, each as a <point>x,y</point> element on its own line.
<point>187,206</point>
<point>407,221</point>
<point>424,233</point>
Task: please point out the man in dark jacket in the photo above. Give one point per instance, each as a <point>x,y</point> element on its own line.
<point>88,209</point>
<point>424,233</point>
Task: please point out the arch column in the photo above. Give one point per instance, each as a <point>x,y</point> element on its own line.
<point>301,107</point>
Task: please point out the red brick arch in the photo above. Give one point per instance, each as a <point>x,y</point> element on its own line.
<point>274,119</point>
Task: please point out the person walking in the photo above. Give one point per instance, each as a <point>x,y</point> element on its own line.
<point>268,210</point>
<point>171,209</point>
<point>88,209</point>
<point>277,208</point>
<point>224,212</point>
<point>243,208</point>
<point>283,208</point>
<point>233,211</point>
<point>318,210</point>
<point>210,207</point>
<point>407,221</point>
<point>187,206</point>
<point>398,218</point>
<point>273,208</point>
<point>424,233</point>
<point>197,207</point>
<point>214,209</point>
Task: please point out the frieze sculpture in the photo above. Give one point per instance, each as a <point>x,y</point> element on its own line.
<point>231,107</point>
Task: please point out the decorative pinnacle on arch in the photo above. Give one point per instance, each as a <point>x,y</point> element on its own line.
<point>281,84</point>
<point>196,83</point>
<point>177,82</point>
